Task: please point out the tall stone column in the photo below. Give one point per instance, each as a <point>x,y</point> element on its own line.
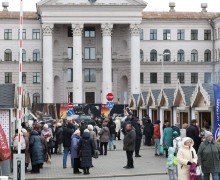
<point>135,58</point>
<point>77,63</point>
<point>48,79</point>
<point>107,61</point>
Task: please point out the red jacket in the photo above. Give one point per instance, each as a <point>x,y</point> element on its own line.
<point>157,131</point>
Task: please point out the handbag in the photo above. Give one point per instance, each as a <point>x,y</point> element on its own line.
<point>96,154</point>
<point>161,150</point>
<point>199,173</point>
<point>51,143</point>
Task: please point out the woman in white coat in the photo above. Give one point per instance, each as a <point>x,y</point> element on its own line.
<point>186,156</point>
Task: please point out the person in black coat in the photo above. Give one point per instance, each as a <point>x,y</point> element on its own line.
<point>86,151</point>
<point>148,132</point>
<point>137,127</point>
<point>111,126</point>
<point>59,137</point>
<point>67,133</point>
<point>36,152</point>
<point>193,132</point>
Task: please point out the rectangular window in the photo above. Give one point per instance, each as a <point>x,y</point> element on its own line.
<point>166,34</point>
<point>153,34</point>
<point>8,77</point>
<point>167,78</point>
<point>208,77</point>
<point>24,77</point>
<point>23,34</point>
<point>89,32</point>
<point>194,78</point>
<point>89,53</point>
<point>69,31</point>
<point>141,34</point>
<point>194,34</point>
<point>36,78</point>
<point>35,33</point>
<point>180,34</point>
<point>153,78</point>
<point>89,75</point>
<point>70,53</point>
<point>8,34</point>
<point>181,77</point>
<point>142,78</point>
<point>207,34</point>
<point>70,74</point>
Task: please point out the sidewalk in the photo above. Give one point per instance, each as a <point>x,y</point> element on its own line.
<point>106,166</point>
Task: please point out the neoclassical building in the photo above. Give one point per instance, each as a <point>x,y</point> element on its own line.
<point>80,51</point>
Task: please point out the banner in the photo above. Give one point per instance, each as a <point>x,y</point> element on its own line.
<point>4,148</point>
<point>217,111</point>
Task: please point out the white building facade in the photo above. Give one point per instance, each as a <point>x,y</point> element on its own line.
<point>78,52</point>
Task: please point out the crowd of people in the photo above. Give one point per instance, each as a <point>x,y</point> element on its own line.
<point>186,149</point>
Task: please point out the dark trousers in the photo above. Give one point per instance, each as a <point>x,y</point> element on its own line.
<point>105,144</point>
<point>130,162</point>
<point>137,146</point>
<point>147,140</point>
<point>76,165</point>
<point>35,168</point>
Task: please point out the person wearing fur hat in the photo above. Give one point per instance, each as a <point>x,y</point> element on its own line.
<point>186,156</point>
<point>208,157</point>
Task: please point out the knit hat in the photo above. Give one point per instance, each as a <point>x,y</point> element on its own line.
<point>86,130</point>
<point>207,134</point>
<point>77,132</point>
<point>46,126</point>
<point>90,127</point>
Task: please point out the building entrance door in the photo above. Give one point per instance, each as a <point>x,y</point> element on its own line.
<point>90,97</point>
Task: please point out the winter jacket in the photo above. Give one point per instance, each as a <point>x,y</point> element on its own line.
<point>67,133</point>
<point>59,135</point>
<point>148,129</point>
<point>118,124</point>
<point>138,131</point>
<point>184,155</point>
<point>27,154</point>
<point>74,146</point>
<point>86,149</point>
<point>36,149</point>
<point>129,140</point>
<point>93,137</point>
<point>15,143</point>
<point>104,134</point>
<point>208,157</point>
<point>168,137</point>
<point>157,131</point>
<point>170,165</point>
<point>193,132</point>
<point>111,127</point>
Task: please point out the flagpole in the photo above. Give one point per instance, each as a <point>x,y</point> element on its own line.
<point>20,78</point>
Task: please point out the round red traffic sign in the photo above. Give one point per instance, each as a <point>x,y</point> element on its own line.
<point>70,105</point>
<point>109,96</point>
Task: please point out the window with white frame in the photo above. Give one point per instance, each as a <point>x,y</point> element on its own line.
<point>36,55</point>
<point>89,53</point>
<point>8,34</point>
<point>207,34</point>
<point>141,34</point>
<point>36,78</point>
<point>194,78</point>
<point>166,34</point>
<point>180,55</point>
<point>181,77</point>
<point>24,77</point>
<point>207,55</point>
<point>23,34</point>
<point>142,78</point>
<point>8,77</point>
<point>194,55</point>
<point>153,55</point>
<point>36,98</point>
<point>141,55</point>
<point>70,74</point>
<point>8,55</point>
<point>208,77</point>
<point>153,34</point>
<point>180,34</point>
<point>194,34</point>
<point>153,78</point>
<point>70,53</point>
<point>167,78</point>
<point>89,32</point>
<point>35,33</point>
<point>166,55</point>
<point>89,75</point>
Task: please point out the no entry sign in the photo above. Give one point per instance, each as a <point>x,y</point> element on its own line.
<point>109,96</point>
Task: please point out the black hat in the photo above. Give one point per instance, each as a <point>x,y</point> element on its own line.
<point>158,121</point>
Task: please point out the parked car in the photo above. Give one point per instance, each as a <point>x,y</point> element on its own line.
<point>85,118</point>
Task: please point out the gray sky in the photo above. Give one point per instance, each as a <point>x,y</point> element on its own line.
<point>153,5</point>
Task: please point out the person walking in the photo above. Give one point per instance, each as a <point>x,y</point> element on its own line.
<point>167,138</point>
<point>86,151</point>
<point>36,152</point>
<point>186,156</point>
<point>112,126</point>
<point>129,145</point>
<point>48,135</point>
<point>193,132</point>
<point>104,138</point>
<point>59,137</point>
<point>74,151</point>
<point>156,137</point>
<point>208,157</point>
<point>137,127</point>
<point>67,133</point>
<point>148,132</point>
